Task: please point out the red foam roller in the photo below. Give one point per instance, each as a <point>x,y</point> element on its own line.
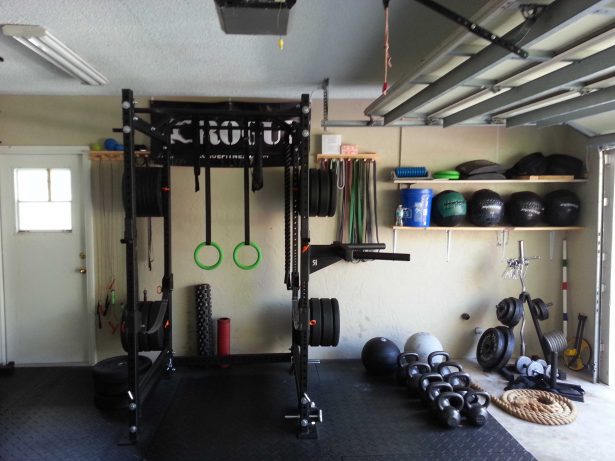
<point>224,338</point>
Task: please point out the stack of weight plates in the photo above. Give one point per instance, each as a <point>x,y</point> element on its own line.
<point>111,381</point>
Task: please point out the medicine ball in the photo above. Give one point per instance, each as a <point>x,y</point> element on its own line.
<point>423,344</point>
<point>448,208</point>
<point>562,208</point>
<point>486,208</point>
<point>524,209</point>
<point>379,356</point>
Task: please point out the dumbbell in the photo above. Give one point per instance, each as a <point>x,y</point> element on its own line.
<point>414,371</point>
<point>424,381</point>
<point>527,366</point>
<point>431,358</point>
<point>434,390</point>
<point>475,407</point>
<point>448,409</point>
<point>403,360</point>
<point>458,379</point>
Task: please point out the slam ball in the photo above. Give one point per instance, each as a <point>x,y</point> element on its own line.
<point>562,208</point>
<point>423,344</point>
<point>486,208</point>
<point>524,209</point>
<point>379,356</point>
<point>448,208</point>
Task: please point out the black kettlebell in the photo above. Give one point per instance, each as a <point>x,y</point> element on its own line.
<point>449,406</point>
<point>458,379</point>
<point>414,372</point>
<point>403,360</point>
<point>425,380</point>
<point>434,390</point>
<point>431,358</point>
<point>475,409</point>
<point>447,367</point>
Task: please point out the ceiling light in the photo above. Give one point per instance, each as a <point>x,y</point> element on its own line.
<point>47,46</point>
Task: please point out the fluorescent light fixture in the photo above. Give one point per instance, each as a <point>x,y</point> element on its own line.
<point>53,50</point>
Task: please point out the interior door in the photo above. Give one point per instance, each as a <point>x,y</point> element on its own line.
<point>43,259</point>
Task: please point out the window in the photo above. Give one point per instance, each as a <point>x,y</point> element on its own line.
<point>43,199</point>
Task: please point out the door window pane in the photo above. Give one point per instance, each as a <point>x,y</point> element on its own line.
<point>60,185</point>
<point>43,199</point>
<point>32,185</point>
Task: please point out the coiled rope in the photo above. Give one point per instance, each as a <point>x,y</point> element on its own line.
<point>540,407</point>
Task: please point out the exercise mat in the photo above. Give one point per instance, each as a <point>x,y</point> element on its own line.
<point>238,413</point>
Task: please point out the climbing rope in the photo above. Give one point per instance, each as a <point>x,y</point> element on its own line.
<point>540,407</point>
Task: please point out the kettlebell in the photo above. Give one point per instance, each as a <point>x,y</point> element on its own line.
<point>434,390</point>
<point>458,379</point>
<point>431,358</point>
<point>449,406</point>
<point>414,371</point>
<point>447,367</point>
<point>474,409</point>
<point>425,380</point>
<point>403,360</point>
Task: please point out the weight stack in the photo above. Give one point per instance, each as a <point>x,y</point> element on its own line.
<point>204,320</point>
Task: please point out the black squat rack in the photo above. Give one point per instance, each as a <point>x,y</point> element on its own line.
<point>270,135</point>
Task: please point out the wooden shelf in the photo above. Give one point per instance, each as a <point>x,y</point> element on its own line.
<point>364,156</point>
<point>482,181</point>
<point>495,228</point>
<point>113,154</point>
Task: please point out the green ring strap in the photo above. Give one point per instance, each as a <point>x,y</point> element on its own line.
<point>246,267</point>
<point>198,262</point>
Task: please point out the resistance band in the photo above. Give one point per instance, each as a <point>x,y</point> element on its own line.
<point>246,199</point>
<point>208,241</point>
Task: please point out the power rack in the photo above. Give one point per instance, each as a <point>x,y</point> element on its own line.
<point>224,135</point>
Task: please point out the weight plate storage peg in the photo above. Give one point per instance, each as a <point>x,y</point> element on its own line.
<point>324,182</point>
<point>314,191</point>
<point>315,322</point>
<point>495,347</point>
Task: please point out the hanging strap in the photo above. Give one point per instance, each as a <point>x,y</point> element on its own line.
<point>246,193</point>
<point>207,195</point>
<point>257,163</point>
<point>368,205</point>
<point>375,200</point>
<point>246,200</point>
<point>196,142</point>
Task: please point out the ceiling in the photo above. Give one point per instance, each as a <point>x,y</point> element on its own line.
<point>163,48</point>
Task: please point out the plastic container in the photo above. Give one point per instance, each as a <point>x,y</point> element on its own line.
<point>417,207</point>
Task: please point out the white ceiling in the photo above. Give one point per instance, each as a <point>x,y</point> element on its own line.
<point>177,48</point>
<point>162,47</point>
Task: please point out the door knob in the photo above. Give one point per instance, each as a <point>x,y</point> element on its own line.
<point>82,270</point>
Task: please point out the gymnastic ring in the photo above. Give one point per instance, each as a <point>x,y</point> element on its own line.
<point>198,249</point>
<point>243,266</point>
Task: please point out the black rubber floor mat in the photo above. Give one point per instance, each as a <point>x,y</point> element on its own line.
<point>237,414</point>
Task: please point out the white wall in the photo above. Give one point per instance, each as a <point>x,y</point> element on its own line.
<point>392,299</point>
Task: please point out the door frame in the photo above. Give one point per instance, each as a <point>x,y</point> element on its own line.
<point>86,197</point>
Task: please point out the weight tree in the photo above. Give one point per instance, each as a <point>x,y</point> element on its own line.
<point>189,134</point>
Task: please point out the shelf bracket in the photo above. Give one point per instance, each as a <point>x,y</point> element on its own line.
<point>448,245</point>
<point>551,245</point>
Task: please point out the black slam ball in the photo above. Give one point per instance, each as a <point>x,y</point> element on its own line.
<point>562,208</point>
<point>485,208</point>
<point>448,208</point>
<point>524,209</point>
<point>379,356</point>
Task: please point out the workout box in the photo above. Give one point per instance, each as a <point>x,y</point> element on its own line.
<point>331,143</point>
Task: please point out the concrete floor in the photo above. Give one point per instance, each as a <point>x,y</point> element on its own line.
<point>590,437</point>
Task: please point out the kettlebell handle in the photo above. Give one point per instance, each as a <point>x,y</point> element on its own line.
<point>450,399</point>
